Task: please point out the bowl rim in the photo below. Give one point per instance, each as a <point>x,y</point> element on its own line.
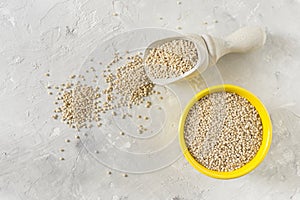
<point>267,132</point>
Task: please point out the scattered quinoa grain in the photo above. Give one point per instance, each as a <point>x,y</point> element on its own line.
<point>80,104</point>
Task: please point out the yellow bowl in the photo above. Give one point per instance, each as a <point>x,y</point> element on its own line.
<point>266,141</point>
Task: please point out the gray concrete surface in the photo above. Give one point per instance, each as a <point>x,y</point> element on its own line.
<point>58,35</point>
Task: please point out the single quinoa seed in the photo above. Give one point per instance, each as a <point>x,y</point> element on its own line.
<point>77,137</point>
<point>67,140</point>
<point>148,104</point>
<point>223,131</point>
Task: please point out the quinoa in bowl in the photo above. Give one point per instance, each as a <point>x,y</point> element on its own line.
<point>225,131</point>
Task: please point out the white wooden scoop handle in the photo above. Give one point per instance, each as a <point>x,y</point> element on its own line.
<point>242,40</point>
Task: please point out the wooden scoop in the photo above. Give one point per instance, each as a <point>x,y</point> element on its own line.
<point>210,49</point>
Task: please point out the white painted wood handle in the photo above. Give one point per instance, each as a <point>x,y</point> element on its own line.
<point>241,41</point>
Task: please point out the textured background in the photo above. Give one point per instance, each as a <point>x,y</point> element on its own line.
<point>57,35</point>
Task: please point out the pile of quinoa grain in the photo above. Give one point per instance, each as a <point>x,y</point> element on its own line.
<point>171,59</point>
<point>78,104</point>
<point>223,131</point>
<point>129,85</point>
